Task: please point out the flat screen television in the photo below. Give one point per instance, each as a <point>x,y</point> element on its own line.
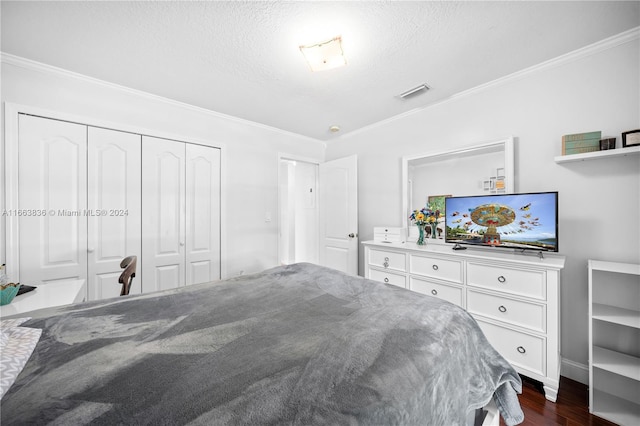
<point>527,221</point>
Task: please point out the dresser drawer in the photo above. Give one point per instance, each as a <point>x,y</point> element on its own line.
<point>520,349</point>
<point>514,281</point>
<point>388,277</point>
<point>434,267</point>
<point>523,314</point>
<point>447,292</point>
<point>387,260</point>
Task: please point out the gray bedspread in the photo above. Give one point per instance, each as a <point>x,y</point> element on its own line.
<point>298,344</point>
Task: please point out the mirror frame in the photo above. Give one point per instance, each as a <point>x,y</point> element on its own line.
<point>506,144</point>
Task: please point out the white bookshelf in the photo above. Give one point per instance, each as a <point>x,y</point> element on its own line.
<point>614,341</point>
<point>618,152</point>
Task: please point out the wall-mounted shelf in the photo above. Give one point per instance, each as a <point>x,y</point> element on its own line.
<point>598,154</point>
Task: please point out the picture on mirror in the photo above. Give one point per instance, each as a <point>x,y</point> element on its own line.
<point>437,203</point>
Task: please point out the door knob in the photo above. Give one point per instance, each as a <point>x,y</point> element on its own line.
<point>352,235</point>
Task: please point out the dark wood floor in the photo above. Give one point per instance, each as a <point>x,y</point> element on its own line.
<point>571,408</point>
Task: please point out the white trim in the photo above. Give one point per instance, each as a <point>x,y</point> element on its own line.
<point>29,64</point>
<point>592,49</point>
<point>575,371</point>
<point>11,114</point>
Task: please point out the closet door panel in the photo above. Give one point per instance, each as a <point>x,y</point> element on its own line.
<point>114,208</point>
<point>52,200</point>
<point>202,214</point>
<point>163,207</point>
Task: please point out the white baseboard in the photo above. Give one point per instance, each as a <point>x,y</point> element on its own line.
<point>575,371</point>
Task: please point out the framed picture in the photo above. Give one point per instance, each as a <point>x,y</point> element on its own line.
<point>631,138</point>
<point>436,202</point>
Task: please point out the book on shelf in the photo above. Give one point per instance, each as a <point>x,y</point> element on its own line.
<point>580,150</point>
<point>580,146</point>
<point>582,136</point>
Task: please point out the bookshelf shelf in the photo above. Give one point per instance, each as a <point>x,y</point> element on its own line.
<point>614,341</point>
<point>618,152</point>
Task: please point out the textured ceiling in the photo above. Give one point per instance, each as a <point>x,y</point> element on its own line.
<point>242,58</point>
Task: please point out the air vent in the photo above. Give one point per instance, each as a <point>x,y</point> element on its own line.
<point>414,92</point>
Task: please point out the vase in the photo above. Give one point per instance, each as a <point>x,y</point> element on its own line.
<point>420,241</point>
<point>434,230</point>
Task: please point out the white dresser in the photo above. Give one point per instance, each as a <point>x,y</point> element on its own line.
<point>514,297</point>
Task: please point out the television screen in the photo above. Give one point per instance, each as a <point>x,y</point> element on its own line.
<point>519,221</point>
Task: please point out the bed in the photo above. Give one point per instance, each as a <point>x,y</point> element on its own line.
<point>298,344</point>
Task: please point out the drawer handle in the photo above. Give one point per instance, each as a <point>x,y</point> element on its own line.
<point>386,259</point>
<point>386,280</point>
<point>435,267</point>
<point>385,264</point>
<point>434,292</point>
<point>502,279</point>
<point>502,309</point>
<point>521,349</point>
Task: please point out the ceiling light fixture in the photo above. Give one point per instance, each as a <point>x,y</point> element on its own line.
<point>415,91</point>
<point>334,129</point>
<point>325,55</point>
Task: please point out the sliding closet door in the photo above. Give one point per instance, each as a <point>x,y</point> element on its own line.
<point>202,214</point>
<point>52,198</point>
<point>114,205</point>
<point>163,207</point>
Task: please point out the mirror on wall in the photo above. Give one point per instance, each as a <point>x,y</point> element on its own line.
<point>484,168</point>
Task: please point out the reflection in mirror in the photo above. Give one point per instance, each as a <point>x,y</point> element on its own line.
<point>485,168</point>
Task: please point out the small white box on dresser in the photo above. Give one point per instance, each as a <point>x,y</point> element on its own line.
<point>389,234</point>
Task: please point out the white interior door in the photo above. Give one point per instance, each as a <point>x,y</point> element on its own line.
<point>163,207</point>
<point>52,194</point>
<point>338,191</point>
<point>202,214</point>
<point>114,204</point>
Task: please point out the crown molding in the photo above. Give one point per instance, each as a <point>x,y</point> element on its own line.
<point>592,49</point>
<point>32,65</point>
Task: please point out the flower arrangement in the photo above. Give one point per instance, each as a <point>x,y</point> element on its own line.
<point>425,217</point>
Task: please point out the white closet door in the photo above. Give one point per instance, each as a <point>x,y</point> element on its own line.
<point>203,214</point>
<point>52,198</point>
<point>114,204</point>
<point>163,207</point>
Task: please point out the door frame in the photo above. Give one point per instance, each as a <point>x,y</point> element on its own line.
<point>293,157</point>
<point>9,229</point>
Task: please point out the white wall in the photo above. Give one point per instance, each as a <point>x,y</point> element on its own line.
<point>599,200</point>
<point>250,152</point>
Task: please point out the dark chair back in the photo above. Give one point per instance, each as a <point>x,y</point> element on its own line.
<point>126,278</point>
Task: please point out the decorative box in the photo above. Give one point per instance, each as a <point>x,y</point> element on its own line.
<point>389,234</point>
